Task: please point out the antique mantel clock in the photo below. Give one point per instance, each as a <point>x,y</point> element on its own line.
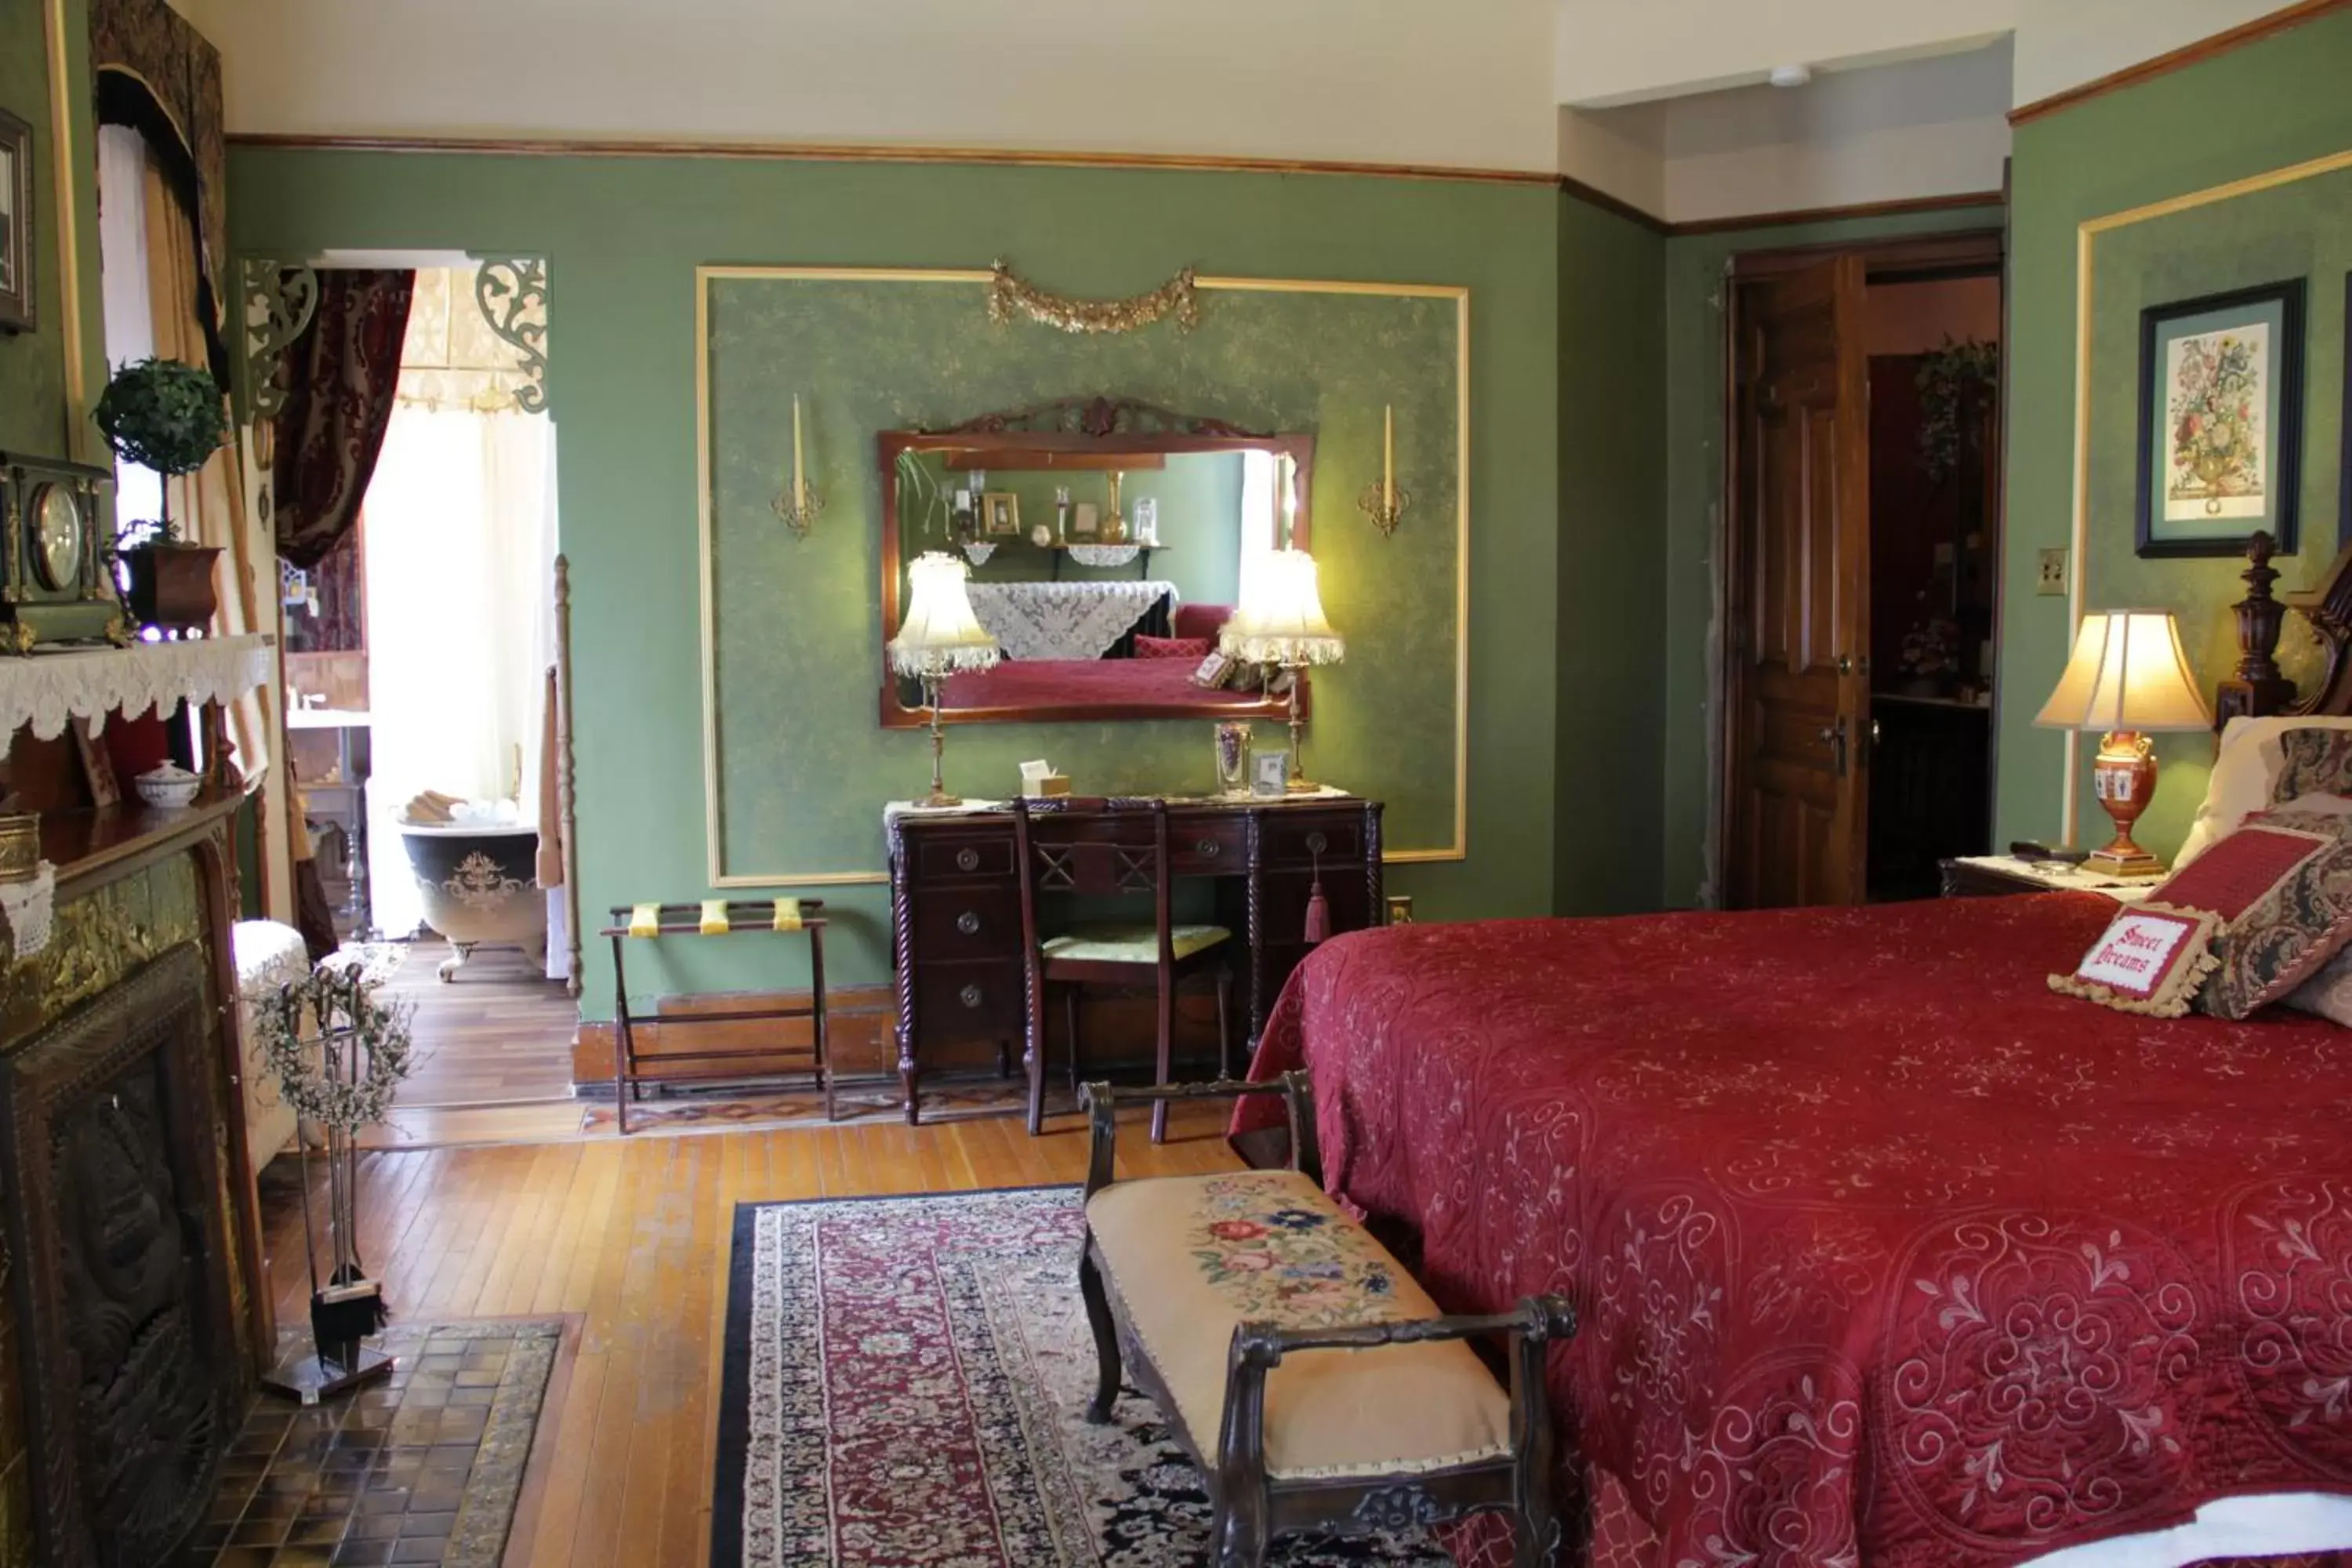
<point>57,575</point>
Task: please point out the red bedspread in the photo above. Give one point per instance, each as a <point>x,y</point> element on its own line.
<point>1884,1254</point>
<point>1138,686</point>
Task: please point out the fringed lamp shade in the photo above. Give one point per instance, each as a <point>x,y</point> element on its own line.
<point>1280,619</point>
<point>938,635</point>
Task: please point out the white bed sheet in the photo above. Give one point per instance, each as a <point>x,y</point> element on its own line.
<point>2266,1526</point>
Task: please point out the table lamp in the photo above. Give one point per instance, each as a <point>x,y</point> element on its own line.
<point>1280,622</point>
<point>2127,676</point>
<point>938,636</point>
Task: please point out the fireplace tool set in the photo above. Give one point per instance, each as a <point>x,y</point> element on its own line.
<point>339,1052</point>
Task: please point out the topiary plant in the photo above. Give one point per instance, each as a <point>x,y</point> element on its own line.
<point>166,415</point>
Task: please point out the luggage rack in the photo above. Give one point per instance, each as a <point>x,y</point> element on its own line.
<point>715,917</point>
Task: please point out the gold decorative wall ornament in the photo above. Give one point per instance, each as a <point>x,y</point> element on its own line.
<point>1009,296</point>
<point>512,294</point>
<point>279,302</point>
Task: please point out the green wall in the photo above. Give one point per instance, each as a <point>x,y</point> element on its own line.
<point>2286,101</point>
<point>868,354</point>
<point>34,419</point>
<point>1694,378</point>
<point>1611,602</point>
<point>623,236</point>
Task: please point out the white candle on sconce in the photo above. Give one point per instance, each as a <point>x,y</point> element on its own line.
<point>799,477</point>
<point>1388,459</point>
<point>1288,469</point>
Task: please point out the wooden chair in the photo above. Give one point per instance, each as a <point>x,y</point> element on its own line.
<point>1105,848</point>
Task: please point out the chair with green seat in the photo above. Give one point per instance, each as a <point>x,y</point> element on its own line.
<point>1107,848</point>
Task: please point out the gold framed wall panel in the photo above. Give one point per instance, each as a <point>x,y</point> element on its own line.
<point>707,622</point>
<point>2086,236</point>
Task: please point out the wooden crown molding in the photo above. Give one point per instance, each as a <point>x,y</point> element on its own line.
<point>1962,200</point>
<point>828,152</point>
<point>2187,55</point>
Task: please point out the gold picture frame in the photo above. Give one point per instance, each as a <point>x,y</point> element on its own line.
<point>1000,514</point>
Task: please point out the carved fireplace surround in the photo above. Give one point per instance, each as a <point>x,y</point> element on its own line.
<point>129,1326</point>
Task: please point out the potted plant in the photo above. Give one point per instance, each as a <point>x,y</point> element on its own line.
<point>171,418</point>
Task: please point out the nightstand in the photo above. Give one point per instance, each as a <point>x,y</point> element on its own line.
<point>1984,876</point>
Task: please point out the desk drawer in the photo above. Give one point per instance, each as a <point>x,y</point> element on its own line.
<point>958,923</point>
<point>1290,837</point>
<point>968,1001</point>
<point>948,856</point>
<point>1208,847</point>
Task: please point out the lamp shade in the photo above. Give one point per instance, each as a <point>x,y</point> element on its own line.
<point>1280,619</point>
<point>939,633</point>
<point>2127,672</point>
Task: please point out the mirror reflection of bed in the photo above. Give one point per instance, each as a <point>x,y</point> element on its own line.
<point>1107,545</point>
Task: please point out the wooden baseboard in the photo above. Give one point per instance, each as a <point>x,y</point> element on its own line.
<point>864,1028</point>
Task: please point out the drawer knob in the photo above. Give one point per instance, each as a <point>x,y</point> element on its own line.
<point>966,860</point>
<point>1317,843</point>
<point>968,996</point>
<point>1208,848</point>
<point>967,923</point>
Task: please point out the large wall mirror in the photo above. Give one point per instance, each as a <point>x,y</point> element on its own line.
<point>1107,542</point>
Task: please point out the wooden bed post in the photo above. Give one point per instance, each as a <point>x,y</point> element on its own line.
<point>2256,687</point>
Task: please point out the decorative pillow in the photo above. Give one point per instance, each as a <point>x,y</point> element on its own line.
<point>2328,992</point>
<point>2271,942</point>
<point>1172,647</point>
<point>2244,772</point>
<point>1215,672</point>
<point>2313,761</point>
<point>2151,959</point>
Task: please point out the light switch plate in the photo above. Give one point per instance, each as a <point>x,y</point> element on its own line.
<point>2052,576</point>
<point>1400,909</point>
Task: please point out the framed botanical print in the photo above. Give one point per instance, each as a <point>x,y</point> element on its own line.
<point>2220,420</point>
<point>15,223</point>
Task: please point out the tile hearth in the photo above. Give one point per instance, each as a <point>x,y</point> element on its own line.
<point>423,1468</point>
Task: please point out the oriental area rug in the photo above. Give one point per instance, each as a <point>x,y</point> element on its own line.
<point>905,1382</point>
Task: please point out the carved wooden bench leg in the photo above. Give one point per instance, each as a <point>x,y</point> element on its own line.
<point>1106,1330</point>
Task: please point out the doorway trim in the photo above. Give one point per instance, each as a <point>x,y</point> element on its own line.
<point>1896,258</point>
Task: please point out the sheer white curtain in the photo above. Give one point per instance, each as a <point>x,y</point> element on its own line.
<point>460,615</point>
<point>1261,529</point>
<point>123,288</point>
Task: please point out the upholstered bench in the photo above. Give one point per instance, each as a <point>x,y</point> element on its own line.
<point>1313,1382</point>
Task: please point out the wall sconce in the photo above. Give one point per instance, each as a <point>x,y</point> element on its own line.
<point>799,505</point>
<point>1386,502</point>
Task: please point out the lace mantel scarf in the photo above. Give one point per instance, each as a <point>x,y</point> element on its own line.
<point>45,688</point>
<point>1064,620</point>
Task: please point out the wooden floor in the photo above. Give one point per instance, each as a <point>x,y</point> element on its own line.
<point>631,1238</point>
<point>498,1034</point>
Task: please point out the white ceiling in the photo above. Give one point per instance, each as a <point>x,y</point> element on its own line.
<point>1905,101</point>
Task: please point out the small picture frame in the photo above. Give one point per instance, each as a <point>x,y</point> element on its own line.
<point>1270,773</point>
<point>97,766</point>
<point>2220,421</point>
<point>17,296</point>
<point>1086,520</point>
<point>1000,514</point>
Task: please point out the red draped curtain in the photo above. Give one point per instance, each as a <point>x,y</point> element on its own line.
<point>341,377</point>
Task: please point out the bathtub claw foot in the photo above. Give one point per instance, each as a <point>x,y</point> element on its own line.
<point>447,970</point>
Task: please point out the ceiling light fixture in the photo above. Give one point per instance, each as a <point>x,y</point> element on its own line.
<point>1792,75</point>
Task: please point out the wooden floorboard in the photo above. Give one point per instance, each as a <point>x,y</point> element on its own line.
<point>631,1238</point>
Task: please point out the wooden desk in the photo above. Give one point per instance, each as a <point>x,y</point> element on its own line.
<point>955,907</point>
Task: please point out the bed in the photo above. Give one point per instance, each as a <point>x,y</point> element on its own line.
<point>1138,687</point>
<point>1885,1253</point>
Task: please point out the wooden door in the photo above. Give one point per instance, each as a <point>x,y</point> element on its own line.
<point>1797,659</point>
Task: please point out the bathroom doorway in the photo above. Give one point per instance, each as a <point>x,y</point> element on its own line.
<point>424,649</point>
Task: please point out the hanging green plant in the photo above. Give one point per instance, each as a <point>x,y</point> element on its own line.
<point>165,415</point>
<point>1946,379</point>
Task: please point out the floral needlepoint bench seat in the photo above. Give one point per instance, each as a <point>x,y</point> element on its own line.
<point>1313,1381</point>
